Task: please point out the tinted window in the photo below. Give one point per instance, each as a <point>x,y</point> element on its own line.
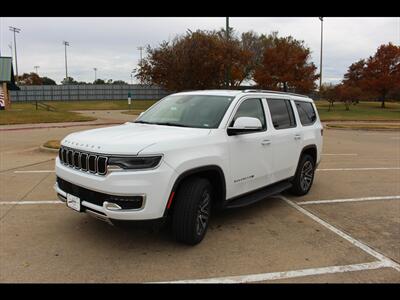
<point>281,113</point>
<point>251,108</point>
<point>306,112</point>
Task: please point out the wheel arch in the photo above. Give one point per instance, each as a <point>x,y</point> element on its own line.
<point>310,150</point>
<point>213,173</point>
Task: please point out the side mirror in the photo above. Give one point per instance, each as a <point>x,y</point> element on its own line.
<point>245,125</point>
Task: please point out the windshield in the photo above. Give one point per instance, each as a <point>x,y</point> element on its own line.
<point>200,111</point>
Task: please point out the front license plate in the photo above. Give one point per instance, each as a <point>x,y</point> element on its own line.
<point>74,202</point>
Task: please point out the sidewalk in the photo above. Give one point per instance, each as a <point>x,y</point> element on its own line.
<point>113,117</point>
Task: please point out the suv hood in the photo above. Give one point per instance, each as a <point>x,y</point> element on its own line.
<point>129,138</point>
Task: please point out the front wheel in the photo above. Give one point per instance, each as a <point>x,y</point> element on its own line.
<point>192,211</point>
<point>304,176</point>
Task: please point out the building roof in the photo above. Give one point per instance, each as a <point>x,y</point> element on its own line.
<point>7,72</point>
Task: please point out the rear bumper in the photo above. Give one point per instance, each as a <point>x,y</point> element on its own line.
<point>153,185</point>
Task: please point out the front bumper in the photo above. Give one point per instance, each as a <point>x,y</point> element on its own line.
<point>153,185</point>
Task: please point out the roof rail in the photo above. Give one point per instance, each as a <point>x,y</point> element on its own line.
<point>273,92</point>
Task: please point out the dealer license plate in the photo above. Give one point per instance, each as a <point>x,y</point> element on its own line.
<point>74,202</point>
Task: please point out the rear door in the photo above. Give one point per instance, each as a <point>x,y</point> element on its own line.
<point>285,138</point>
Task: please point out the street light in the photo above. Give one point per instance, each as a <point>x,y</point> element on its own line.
<point>228,67</point>
<point>320,57</point>
<point>15,30</point>
<point>140,48</point>
<point>95,74</point>
<point>36,69</point>
<point>65,43</point>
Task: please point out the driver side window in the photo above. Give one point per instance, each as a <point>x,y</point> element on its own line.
<point>251,108</point>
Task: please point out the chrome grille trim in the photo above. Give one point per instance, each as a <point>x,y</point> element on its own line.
<point>67,158</point>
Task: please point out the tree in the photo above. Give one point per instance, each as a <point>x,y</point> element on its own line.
<point>69,80</point>
<point>381,75</point>
<point>119,82</point>
<point>286,63</point>
<point>347,94</point>
<point>99,81</point>
<point>30,79</point>
<point>196,60</point>
<point>48,81</point>
<point>328,92</point>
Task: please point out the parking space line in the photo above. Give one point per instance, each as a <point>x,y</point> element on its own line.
<point>349,200</point>
<point>30,202</point>
<point>34,171</point>
<point>358,169</point>
<point>347,237</point>
<point>287,274</point>
<point>340,154</point>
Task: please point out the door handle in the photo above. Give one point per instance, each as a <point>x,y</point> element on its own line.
<point>297,136</point>
<point>265,142</point>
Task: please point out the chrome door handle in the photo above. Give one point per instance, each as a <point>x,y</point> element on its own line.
<point>297,137</point>
<point>265,142</point>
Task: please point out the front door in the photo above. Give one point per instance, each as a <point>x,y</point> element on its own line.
<point>250,155</point>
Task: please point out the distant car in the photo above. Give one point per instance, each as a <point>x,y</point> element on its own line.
<point>191,151</point>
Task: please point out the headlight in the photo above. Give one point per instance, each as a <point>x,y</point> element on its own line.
<point>135,163</point>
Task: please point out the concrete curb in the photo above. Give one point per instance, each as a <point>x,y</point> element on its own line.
<point>327,126</point>
<point>46,149</point>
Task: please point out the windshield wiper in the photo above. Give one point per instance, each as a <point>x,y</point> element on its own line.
<point>170,124</point>
<point>143,122</point>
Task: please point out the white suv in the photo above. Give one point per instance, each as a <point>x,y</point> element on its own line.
<point>191,151</point>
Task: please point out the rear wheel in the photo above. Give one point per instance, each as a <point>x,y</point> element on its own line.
<point>304,176</point>
<point>192,211</point>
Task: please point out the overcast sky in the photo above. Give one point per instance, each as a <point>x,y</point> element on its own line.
<point>110,44</point>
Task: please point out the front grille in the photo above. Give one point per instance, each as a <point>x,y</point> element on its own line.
<point>97,198</point>
<point>84,161</point>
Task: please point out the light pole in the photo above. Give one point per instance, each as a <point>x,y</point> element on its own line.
<point>320,57</point>
<point>95,74</point>
<point>66,67</point>
<point>228,67</point>
<point>140,48</point>
<point>15,30</point>
<point>36,69</point>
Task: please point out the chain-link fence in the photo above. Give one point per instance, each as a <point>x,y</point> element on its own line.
<point>87,92</point>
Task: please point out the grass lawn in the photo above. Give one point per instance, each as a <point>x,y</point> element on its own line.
<point>90,105</point>
<point>25,113</point>
<point>363,111</point>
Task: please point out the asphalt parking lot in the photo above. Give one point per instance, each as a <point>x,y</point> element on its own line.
<point>347,229</point>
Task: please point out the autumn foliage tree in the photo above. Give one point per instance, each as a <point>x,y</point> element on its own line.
<point>381,74</point>
<point>286,63</point>
<point>196,60</point>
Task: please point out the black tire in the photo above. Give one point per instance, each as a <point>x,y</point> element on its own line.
<point>304,176</point>
<point>192,211</point>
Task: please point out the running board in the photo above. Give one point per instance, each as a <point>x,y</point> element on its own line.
<point>258,195</point>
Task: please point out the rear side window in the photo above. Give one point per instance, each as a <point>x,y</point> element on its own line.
<point>281,113</point>
<point>306,112</point>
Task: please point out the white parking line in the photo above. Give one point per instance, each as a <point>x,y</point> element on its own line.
<point>340,154</point>
<point>30,202</point>
<point>358,169</point>
<point>335,169</point>
<point>349,200</point>
<point>286,274</point>
<point>347,237</point>
<point>35,171</point>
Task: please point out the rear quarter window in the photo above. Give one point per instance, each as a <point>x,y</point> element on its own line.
<point>306,112</point>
